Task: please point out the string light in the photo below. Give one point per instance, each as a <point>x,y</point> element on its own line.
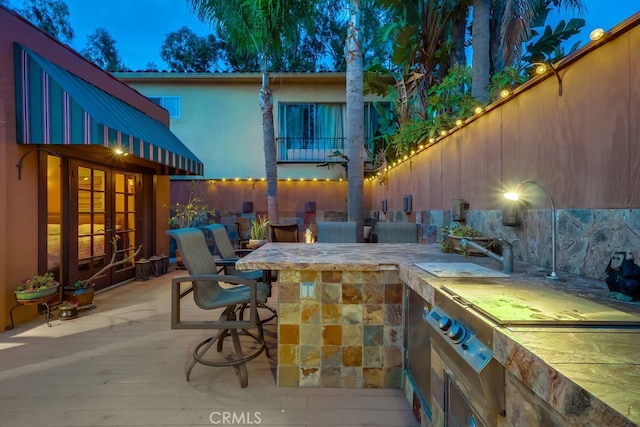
<point>596,34</point>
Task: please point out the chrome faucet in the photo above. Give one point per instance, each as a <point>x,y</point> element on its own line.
<point>507,253</point>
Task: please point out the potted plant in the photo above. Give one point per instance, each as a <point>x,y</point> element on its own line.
<point>258,232</point>
<point>80,293</point>
<point>35,287</point>
<point>455,232</point>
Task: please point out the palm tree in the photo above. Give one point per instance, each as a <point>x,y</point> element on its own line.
<point>266,29</point>
<point>514,20</point>
<point>355,118</point>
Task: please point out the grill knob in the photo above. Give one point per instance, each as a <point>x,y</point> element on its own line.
<point>457,333</point>
<point>445,323</point>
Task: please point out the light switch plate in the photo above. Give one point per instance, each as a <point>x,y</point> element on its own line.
<point>307,289</point>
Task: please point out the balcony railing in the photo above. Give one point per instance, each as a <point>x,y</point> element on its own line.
<point>312,150</point>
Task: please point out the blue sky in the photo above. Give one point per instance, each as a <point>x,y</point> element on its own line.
<point>140,26</point>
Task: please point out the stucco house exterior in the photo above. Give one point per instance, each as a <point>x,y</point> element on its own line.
<point>218,116</point>
<point>86,161</point>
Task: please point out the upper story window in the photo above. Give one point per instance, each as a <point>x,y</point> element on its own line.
<point>169,103</point>
<point>311,132</point>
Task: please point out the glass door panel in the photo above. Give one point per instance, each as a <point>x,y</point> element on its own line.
<point>124,220</point>
<point>92,248</point>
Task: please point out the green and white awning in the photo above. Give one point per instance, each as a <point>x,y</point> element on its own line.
<point>55,106</point>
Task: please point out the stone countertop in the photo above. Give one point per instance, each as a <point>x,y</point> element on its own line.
<point>333,256</point>
<point>589,374</point>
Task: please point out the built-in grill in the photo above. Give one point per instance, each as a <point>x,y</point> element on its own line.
<point>467,382</point>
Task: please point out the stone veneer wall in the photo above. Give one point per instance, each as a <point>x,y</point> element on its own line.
<point>349,334</point>
<point>585,238</point>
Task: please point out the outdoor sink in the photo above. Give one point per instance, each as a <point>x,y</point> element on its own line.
<point>458,269</point>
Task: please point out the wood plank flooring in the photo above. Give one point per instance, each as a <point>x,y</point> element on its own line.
<point>121,364</point>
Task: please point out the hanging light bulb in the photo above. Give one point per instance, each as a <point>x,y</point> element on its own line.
<point>596,34</point>
<point>504,93</point>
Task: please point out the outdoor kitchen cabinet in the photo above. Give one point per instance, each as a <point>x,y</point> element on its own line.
<point>573,364</point>
<point>538,374</point>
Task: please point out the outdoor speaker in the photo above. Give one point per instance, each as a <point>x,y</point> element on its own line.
<point>247,207</point>
<point>406,203</point>
<point>459,209</point>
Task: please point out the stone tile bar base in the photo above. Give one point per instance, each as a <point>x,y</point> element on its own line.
<point>348,333</point>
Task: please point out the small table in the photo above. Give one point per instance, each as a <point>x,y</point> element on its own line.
<point>36,301</point>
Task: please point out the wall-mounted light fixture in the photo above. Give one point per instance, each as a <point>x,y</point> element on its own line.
<point>511,212</point>
<point>543,67</point>
<point>516,195</point>
<point>406,203</point>
<point>19,165</point>
<point>459,209</point>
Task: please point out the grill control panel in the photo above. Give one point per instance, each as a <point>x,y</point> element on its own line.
<point>459,338</point>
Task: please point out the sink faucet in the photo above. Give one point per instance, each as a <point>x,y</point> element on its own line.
<point>507,253</point>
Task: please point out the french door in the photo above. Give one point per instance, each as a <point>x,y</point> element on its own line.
<point>103,223</point>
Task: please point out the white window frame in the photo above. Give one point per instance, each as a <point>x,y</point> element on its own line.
<point>170,103</point>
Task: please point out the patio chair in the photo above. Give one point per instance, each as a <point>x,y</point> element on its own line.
<point>283,233</point>
<point>209,295</point>
<point>397,232</point>
<point>227,263</point>
<point>337,232</point>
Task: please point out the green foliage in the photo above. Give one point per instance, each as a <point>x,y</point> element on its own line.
<point>258,229</point>
<point>194,213</point>
<point>458,230</point>
<point>51,16</point>
<point>548,45</point>
<point>447,101</point>
<point>101,50</point>
<point>185,51</point>
<point>507,78</point>
<point>37,282</point>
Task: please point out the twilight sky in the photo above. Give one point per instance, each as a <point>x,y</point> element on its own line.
<point>140,26</point>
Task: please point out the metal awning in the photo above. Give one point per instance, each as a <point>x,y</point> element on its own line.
<point>55,106</point>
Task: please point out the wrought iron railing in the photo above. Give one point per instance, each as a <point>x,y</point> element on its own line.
<point>313,150</point>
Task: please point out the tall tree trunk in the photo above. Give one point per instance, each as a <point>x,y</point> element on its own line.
<point>355,119</point>
<point>268,134</point>
<point>480,34</point>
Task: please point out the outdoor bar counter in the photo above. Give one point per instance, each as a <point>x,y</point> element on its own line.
<point>341,324</point>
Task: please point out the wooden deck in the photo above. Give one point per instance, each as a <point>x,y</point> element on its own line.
<point>120,364</point>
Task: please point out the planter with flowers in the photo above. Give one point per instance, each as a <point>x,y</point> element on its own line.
<point>36,287</point>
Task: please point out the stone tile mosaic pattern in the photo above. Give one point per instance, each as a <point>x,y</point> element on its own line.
<point>349,334</point>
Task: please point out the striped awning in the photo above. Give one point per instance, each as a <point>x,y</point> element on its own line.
<point>55,106</point>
